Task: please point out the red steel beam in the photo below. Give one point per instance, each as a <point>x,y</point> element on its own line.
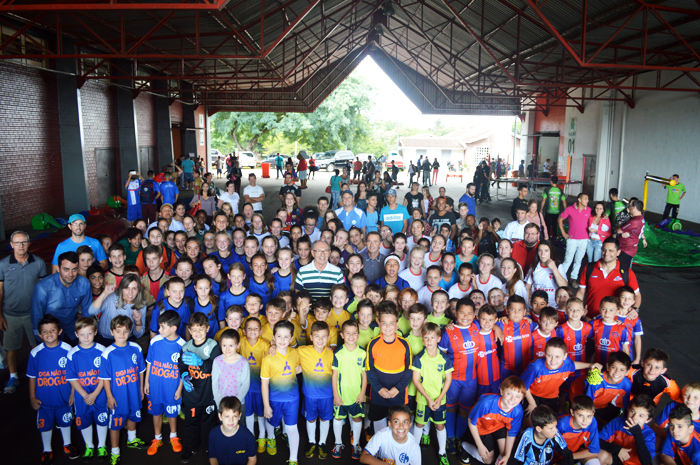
<point>114,5</point>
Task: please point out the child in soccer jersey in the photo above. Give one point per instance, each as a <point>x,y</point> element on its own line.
<point>254,349</point>
<point>541,443</point>
<point>682,444</point>
<point>183,269</point>
<point>629,439</point>
<point>609,335</point>
<point>231,444</point>
<point>388,366</point>
<point>425,293</point>
<point>691,399</point>
<point>629,317</point>
<point>432,376</point>
<point>163,385</point>
<point>494,423</point>
<point>538,300</point>
<point>548,321</point>
<point>302,303</point>
<point>235,317</point>
<point>407,298</point>
<point>253,306</point>
<point>122,369</point>
<point>580,431</point>
<point>155,277</point>
<point>488,375</point>
<point>651,379</point>
<point>276,310</point>
<point>321,313</point>
<point>339,298</point>
<point>375,293</point>
<point>358,286</point>
<point>440,302</point>
<point>368,328</point>
<point>237,293</point>
<point>90,404</point>
<point>517,342</point>
<point>49,391</point>
<point>417,315</point>
<point>395,444</point>
<point>544,376</point>
<point>316,369</point>
<point>610,391</point>
<point>461,343</point>
<point>117,256</point>
<point>195,367</point>
<point>280,390</point>
<point>575,334</point>
<point>349,384</point>
<point>174,293</point>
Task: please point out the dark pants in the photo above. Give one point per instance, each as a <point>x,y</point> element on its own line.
<point>356,175</point>
<point>671,208</point>
<point>550,219</point>
<point>410,182</point>
<point>279,170</point>
<point>485,194</point>
<point>199,421</point>
<point>426,178</point>
<point>148,212</point>
<point>625,260</point>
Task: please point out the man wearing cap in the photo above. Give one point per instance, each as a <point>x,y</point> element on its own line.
<point>76,223</point>
<point>373,259</point>
<point>515,230</point>
<point>319,276</point>
<point>349,214</point>
<point>394,215</point>
<point>166,213</point>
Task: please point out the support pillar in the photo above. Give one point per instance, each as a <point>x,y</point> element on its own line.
<point>126,121</point>
<point>189,131</point>
<point>164,136</point>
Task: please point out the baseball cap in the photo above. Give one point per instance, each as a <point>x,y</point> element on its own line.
<point>347,191</point>
<point>76,217</point>
<point>391,192</point>
<point>166,205</point>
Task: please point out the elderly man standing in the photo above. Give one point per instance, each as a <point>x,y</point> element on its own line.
<point>77,226</point>
<point>374,261</point>
<point>62,294</point>
<point>19,273</point>
<point>349,214</point>
<point>166,213</point>
<point>319,276</point>
<point>577,238</point>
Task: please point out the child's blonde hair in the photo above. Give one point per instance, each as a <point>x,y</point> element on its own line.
<point>418,249</point>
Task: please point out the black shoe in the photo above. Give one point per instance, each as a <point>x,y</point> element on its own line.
<point>186,456</point>
<point>464,456</point>
<point>72,452</point>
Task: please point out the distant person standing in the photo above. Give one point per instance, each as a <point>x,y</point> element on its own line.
<point>254,194</point>
<point>676,191</point>
<point>553,202</point>
<point>521,169</point>
<point>356,169</point>
<point>577,236</point>
<point>279,162</point>
<point>629,233</point>
<point>302,169</point>
<point>382,160</point>
<point>219,166</point>
<point>312,167</point>
<point>436,168</point>
<point>187,177</point>
<point>411,172</point>
<point>426,172</point>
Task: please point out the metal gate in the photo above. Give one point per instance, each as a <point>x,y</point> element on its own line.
<point>589,174</point>
<point>107,182</point>
<point>147,160</point>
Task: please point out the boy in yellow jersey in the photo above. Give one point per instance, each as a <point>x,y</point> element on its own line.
<point>321,312</point>
<point>339,298</point>
<point>254,349</point>
<point>275,310</point>
<point>253,305</point>
<point>234,319</point>
<point>416,317</point>
<point>366,325</point>
<point>302,305</point>
<point>316,361</point>
<point>440,302</point>
<point>358,284</point>
<point>349,386</point>
<point>280,390</point>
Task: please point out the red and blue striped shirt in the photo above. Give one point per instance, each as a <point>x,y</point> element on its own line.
<point>462,346</point>
<point>575,340</point>
<point>539,342</point>
<point>517,345</point>
<point>607,338</point>
<point>487,366</point>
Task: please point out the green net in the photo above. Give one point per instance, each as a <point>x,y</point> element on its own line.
<point>668,249</point>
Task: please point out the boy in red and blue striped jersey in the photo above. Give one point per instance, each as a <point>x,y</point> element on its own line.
<point>549,318</point>
<point>575,333</point>
<point>488,372</point>
<point>517,342</point>
<point>608,334</point>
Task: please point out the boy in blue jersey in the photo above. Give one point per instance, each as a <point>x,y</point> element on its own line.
<point>122,368</point>
<point>629,439</point>
<point>580,431</point>
<point>90,401</point>
<point>49,391</point>
<point>174,300</point>
<point>195,365</point>
<point>163,385</point>
<point>691,399</point>
<point>169,190</point>
<point>538,444</point>
<point>682,445</point>
<point>231,444</point>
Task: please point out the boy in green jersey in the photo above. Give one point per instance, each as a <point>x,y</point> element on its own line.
<point>553,203</point>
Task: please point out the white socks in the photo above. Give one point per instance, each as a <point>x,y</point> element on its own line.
<point>65,432</point>
<point>293,435</point>
<point>472,449</point>
<point>173,435</point>
<point>102,436</point>
<point>417,433</point>
<point>270,430</point>
<point>46,440</point>
<point>87,437</point>
<point>262,429</point>
<point>130,435</point>
<point>323,433</point>
<point>116,451</point>
<point>159,437</point>
<point>14,375</point>
<point>250,424</point>
<point>356,432</point>
<point>442,440</point>
<point>311,431</point>
<point>338,430</point>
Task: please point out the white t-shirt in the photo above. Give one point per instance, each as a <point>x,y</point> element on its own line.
<point>410,243</point>
<point>429,262</point>
<point>425,295</point>
<point>415,281</point>
<point>383,250</point>
<point>234,200</point>
<point>456,291</point>
<point>284,241</point>
<point>543,279</point>
<point>254,191</point>
<point>403,264</point>
<point>385,448</point>
<point>315,236</point>
<point>514,231</point>
<point>520,290</point>
<point>493,282</point>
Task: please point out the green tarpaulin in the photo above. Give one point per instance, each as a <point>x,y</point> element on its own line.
<point>668,249</point>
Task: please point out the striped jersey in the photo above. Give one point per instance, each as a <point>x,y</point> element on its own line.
<point>607,338</point>
<point>575,340</point>
<point>462,346</point>
<point>318,283</point>
<point>487,364</point>
<point>517,345</point>
<point>539,342</point>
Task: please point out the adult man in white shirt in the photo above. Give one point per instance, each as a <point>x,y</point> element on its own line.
<point>254,194</point>
<point>515,230</point>
<point>230,196</point>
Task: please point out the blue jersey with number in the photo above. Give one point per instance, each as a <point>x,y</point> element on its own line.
<point>84,367</point>
<point>184,310</point>
<point>48,366</point>
<point>226,299</point>
<point>261,289</point>
<point>163,373</point>
<point>121,366</point>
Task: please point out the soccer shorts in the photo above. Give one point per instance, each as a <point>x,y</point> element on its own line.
<point>424,414</point>
<point>378,412</point>
<point>318,408</point>
<point>552,403</point>
<point>170,411</point>
<point>353,410</point>
<point>287,410</point>
<point>412,403</point>
<point>117,420</point>
<point>490,440</point>
<point>86,415</point>
<point>462,393</point>
<point>254,404</point>
<point>505,372</point>
<point>493,388</point>
<point>47,418</point>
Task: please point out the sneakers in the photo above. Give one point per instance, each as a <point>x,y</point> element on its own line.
<point>114,459</point>
<point>71,451</point>
<point>11,387</point>
<point>451,446</point>
<point>322,452</point>
<point>46,458</point>
<point>356,452</point>
<point>186,456</point>
<point>367,435</point>
<point>310,450</point>
<point>285,438</point>
<point>337,451</point>
<point>425,441</point>
<point>292,463</point>
<point>261,445</point>
<point>464,456</point>
<point>88,454</point>
<point>176,444</point>
<point>102,453</point>
<point>278,431</point>
<point>272,446</point>
<point>136,444</point>
<point>444,460</point>
<point>155,444</point>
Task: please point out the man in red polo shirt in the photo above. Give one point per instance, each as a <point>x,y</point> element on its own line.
<point>606,278</point>
<point>629,233</point>
<point>577,236</point>
<point>524,251</point>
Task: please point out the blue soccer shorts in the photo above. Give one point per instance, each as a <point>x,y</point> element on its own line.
<point>118,420</point>
<point>287,410</point>
<point>493,388</point>
<point>47,418</point>
<point>318,408</point>
<point>86,415</point>
<point>254,404</point>
<point>462,393</point>
<point>170,411</point>
<point>353,410</point>
<point>424,414</point>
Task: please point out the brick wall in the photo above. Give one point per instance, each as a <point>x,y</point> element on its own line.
<point>100,128</point>
<point>176,112</point>
<point>30,145</point>
<point>146,120</point>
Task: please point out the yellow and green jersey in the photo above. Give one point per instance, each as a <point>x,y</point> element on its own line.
<point>441,321</point>
<point>317,372</point>
<point>432,374</point>
<point>350,365</point>
<point>255,355</point>
<point>281,371</point>
<point>367,335</point>
<point>416,343</point>
<point>404,325</point>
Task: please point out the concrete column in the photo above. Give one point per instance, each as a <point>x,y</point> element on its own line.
<point>75,185</point>
<point>126,120</point>
<point>164,136</point>
<point>189,131</point>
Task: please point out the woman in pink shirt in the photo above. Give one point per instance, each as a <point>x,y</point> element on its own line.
<point>599,229</point>
<point>577,235</point>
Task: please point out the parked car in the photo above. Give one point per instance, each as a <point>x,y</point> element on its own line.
<point>323,159</point>
<point>397,158</point>
<point>246,160</point>
<point>341,158</point>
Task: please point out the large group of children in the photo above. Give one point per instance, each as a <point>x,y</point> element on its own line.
<point>453,334</point>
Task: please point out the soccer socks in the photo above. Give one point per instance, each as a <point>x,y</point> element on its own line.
<point>159,437</point>
<point>323,432</point>
<point>270,430</point>
<point>379,425</point>
<point>356,432</point>
<point>173,435</point>
<point>102,435</point>
<point>426,429</point>
<point>472,450</point>
<point>338,430</point>
<point>311,431</point>
<point>293,435</point>
<point>130,435</point>
<point>442,440</point>
<point>461,426</point>
<point>450,422</point>
<point>116,451</point>
<point>262,429</point>
<point>46,440</point>
<point>14,375</point>
<point>65,432</point>
<point>250,424</point>
<point>87,437</point>
<point>417,433</point>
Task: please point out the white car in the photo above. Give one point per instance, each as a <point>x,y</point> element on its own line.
<point>247,160</point>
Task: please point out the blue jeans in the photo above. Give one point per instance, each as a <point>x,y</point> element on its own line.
<point>334,199</point>
<point>594,250</point>
<point>279,170</point>
<point>575,250</point>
